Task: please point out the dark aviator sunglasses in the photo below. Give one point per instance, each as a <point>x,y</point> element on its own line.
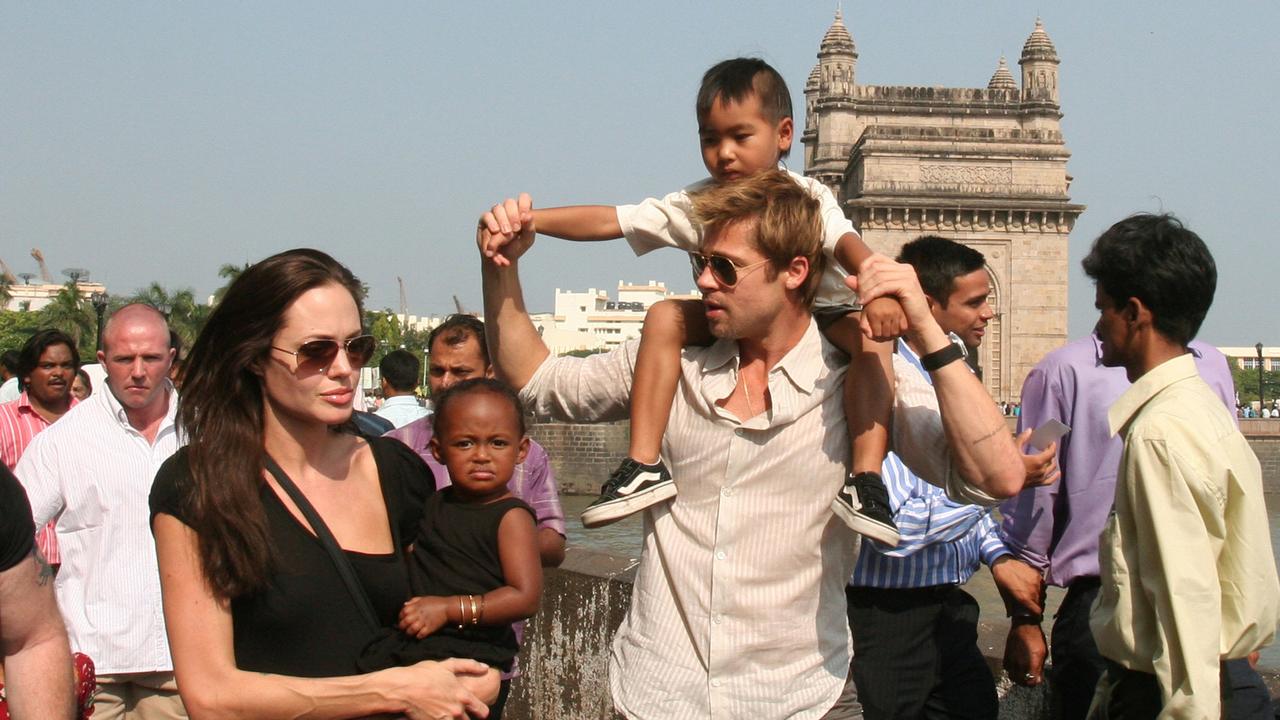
<point>724,270</point>
<point>322,352</point>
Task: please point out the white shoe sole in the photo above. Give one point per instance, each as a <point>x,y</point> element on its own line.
<point>864,525</point>
<point>614,510</point>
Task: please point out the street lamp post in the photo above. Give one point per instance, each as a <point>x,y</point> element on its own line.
<point>99,300</point>
<point>1258,347</point>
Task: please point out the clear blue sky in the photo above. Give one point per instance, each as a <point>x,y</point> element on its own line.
<point>156,141</point>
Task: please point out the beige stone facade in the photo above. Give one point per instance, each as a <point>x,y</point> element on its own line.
<point>983,166</point>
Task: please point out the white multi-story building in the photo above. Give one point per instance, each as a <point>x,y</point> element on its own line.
<point>27,296</point>
<point>592,321</point>
<point>1246,358</point>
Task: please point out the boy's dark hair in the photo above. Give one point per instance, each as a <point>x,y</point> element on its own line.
<point>737,79</point>
<point>400,369</point>
<point>1159,261</point>
<point>456,329</point>
<point>938,262</point>
<point>34,347</point>
<point>469,387</point>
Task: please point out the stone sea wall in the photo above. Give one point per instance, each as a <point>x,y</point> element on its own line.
<point>565,656</point>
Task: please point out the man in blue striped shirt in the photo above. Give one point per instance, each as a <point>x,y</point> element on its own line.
<point>914,629</point>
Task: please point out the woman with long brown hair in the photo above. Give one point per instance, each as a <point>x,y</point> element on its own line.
<point>279,532</point>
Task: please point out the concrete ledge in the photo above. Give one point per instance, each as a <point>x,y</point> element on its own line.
<point>566,650</point>
<point>564,661</point>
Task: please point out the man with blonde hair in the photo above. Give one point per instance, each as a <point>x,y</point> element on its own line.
<point>738,608</point>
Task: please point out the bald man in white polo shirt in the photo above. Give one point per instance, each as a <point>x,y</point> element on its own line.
<point>92,471</point>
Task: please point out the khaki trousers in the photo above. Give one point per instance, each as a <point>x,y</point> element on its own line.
<point>138,696</point>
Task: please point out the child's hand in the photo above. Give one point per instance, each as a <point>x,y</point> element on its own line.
<point>883,319</point>
<point>506,230</point>
<point>424,615</point>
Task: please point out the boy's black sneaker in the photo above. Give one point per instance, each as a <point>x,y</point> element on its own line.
<point>863,504</point>
<point>631,488</point>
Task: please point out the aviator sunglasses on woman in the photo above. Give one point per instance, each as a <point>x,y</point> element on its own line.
<point>320,353</point>
<point>725,271</point>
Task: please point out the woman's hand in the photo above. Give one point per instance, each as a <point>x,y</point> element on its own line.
<point>424,615</point>
<point>445,690</point>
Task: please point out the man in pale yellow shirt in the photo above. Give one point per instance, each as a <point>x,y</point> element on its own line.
<point>1188,575</point>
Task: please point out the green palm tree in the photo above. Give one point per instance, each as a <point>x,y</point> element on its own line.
<point>73,315</point>
<point>228,272</point>
<point>186,316</point>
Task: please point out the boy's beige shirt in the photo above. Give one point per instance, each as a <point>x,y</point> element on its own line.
<point>1188,574</point>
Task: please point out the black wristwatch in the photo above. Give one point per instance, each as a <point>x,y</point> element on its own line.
<point>947,355</point>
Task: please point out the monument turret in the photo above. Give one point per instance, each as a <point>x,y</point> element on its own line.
<point>1039,63</point>
<point>1002,79</point>
<point>837,60</point>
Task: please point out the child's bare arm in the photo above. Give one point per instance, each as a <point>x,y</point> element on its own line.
<point>851,252</point>
<point>579,222</point>
<point>573,222</point>
<point>882,318</point>
<point>522,569</point>
<point>868,393</point>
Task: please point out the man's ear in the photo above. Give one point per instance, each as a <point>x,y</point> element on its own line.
<point>797,271</point>
<point>1136,312</point>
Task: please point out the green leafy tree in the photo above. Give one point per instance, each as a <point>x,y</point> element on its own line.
<point>186,316</point>
<point>385,327</point>
<point>73,315</point>
<point>15,327</point>
<point>228,272</point>
<point>1247,384</point>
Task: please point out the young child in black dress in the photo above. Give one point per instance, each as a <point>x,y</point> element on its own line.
<point>474,562</point>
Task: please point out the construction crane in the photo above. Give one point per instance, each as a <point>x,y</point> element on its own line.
<point>404,304</point>
<point>45,275</point>
<point>458,304</point>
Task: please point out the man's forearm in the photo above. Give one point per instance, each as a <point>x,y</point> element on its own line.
<point>515,346</point>
<point>550,547</point>
<point>983,449</point>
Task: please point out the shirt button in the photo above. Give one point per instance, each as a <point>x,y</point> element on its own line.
<point>726,491</point>
<point>720,555</point>
<point>717,618</point>
<point>715,682</point>
<point>738,433</point>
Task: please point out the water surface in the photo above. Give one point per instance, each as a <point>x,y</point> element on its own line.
<point>624,538</point>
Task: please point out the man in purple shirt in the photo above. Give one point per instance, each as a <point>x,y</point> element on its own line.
<point>1055,529</point>
<point>457,351</point>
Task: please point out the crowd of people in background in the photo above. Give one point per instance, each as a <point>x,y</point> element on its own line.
<point>1266,413</point>
<point>225,531</point>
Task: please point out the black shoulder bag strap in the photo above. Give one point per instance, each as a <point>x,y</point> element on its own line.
<point>340,561</point>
